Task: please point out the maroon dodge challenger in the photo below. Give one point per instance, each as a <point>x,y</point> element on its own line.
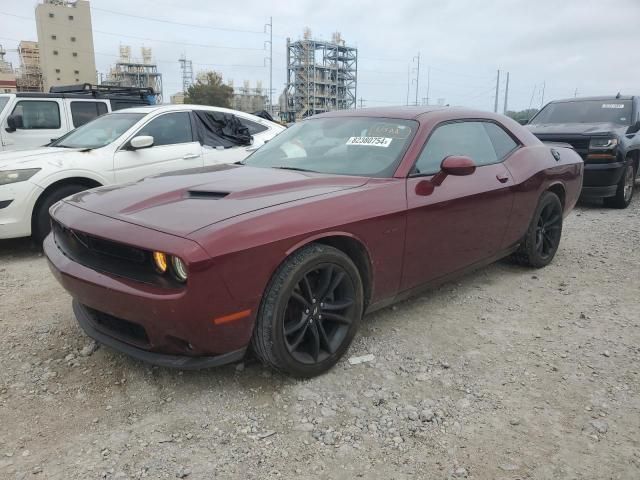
<point>341,214</point>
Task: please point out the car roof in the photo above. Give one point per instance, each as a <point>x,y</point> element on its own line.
<point>406,113</point>
<point>597,98</point>
<point>178,108</point>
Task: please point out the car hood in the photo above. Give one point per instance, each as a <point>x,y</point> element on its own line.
<point>182,202</point>
<point>38,157</point>
<point>574,128</point>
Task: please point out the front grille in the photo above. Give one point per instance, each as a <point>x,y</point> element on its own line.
<point>109,257</point>
<point>117,327</point>
<point>580,143</point>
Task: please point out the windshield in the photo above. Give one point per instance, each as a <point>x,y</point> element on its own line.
<point>3,103</point>
<point>362,146</point>
<point>586,111</point>
<point>99,132</point>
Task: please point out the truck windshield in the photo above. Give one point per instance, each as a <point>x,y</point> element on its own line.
<point>3,103</point>
<point>360,146</point>
<point>99,132</point>
<point>586,111</point>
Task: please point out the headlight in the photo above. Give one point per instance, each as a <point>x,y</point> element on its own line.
<point>14,176</point>
<point>160,261</point>
<point>603,143</point>
<point>179,269</point>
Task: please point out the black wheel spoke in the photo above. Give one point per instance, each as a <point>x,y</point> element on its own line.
<point>325,281</point>
<point>337,305</point>
<point>298,340</point>
<point>547,243</point>
<point>553,228</point>
<point>337,280</point>
<point>551,221</point>
<point>334,317</point>
<point>306,288</point>
<point>297,326</point>
<point>323,338</point>
<point>300,299</point>
<point>315,346</point>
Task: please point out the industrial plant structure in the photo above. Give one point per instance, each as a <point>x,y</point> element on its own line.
<point>29,75</point>
<point>321,76</point>
<point>7,76</point>
<point>129,72</point>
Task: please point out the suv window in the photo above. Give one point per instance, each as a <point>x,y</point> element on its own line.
<point>253,127</point>
<point>121,104</point>
<point>169,129</point>
<point>84,112</point>
<point>40,114</point>
<point>473,139</point>
<point>502,142</point>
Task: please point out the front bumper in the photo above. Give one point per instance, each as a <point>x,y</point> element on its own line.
<point>15,217</point>
<point>161,325</point>
<point>87,320</point>
<point>601,179</point>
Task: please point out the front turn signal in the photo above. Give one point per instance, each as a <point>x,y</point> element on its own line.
<point>160,261</point>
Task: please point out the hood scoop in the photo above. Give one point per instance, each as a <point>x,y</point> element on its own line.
<point>206,194</point>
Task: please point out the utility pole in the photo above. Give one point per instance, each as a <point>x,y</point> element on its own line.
<point>408,82</point>
<point>506,94</point>
<point>575,94</point>
<point>495,106</point>
<point>542,98</point>
<point>417,76</point>
<point>533,92</point>
<point>362,100</point>
<point>428,83</point>
<point>270,25</point>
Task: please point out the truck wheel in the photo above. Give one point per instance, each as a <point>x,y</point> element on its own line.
<point>542,239</point>
<point>624,193</point>
<point>41,223</point>
<point>310,312</point>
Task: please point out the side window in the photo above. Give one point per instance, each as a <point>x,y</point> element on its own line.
<point>119,105</point>
<point>84,112</point>
<point>38,115</point>
<point>503,144</point>
<point>253,127</point>
<point>169,129</point>
<point>456,138</point>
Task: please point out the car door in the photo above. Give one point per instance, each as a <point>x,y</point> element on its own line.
<point>463,220</point>
<point>40,120</point>
<point>173,149</point>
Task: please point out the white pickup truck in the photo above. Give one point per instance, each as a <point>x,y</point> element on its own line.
<point>122,146</point>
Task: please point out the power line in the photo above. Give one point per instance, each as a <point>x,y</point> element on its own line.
<point>159,20</point>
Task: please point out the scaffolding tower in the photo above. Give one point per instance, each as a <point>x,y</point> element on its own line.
<point>186,66</point>
<point>29,75</point>
<point>128,72</point>
<point>321,76</point>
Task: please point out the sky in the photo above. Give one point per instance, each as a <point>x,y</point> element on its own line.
<point>588,47</point>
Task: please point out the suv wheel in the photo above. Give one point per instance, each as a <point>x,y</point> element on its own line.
<point>624,193</point>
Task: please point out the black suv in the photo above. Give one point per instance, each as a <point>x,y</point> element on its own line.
<point>604,131</point>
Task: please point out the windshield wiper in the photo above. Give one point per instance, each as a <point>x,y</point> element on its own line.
<point>297,169</point>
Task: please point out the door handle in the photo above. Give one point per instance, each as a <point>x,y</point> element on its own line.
<point>190,156</point>
<point>502,178</point>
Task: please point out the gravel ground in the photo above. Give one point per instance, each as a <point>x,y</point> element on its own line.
<point>508,373</point>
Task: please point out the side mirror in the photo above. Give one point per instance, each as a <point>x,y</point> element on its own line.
<point>14,122</point>
<point>523,121</point>
<point>635,128</point>
<point>458,166</point>
<point>141,141</point>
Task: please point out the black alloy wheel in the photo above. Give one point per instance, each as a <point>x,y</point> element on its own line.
<point>319,312</point>
<point>549,230</point>
<point>541,242</point>
<point>310,311</point>
<point>624,192</point>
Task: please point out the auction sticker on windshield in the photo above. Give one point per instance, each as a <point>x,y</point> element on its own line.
<point>370,141</point>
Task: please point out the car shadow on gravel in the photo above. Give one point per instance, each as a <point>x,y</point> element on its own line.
<point>18,248</point>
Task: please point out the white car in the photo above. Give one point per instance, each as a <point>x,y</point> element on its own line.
<point>123,146</point>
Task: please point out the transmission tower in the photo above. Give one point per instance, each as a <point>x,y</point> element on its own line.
<point>187,73</point>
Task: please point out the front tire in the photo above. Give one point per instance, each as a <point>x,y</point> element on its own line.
<point>41,223</point>
<point>624,193</point>
<point>310,312</point>
<point>542,239</point>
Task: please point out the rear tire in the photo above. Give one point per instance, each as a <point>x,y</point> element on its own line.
<point>542,239</point>
<point>310,312</point>
<point>624,193</point>
<point>41,223</point>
